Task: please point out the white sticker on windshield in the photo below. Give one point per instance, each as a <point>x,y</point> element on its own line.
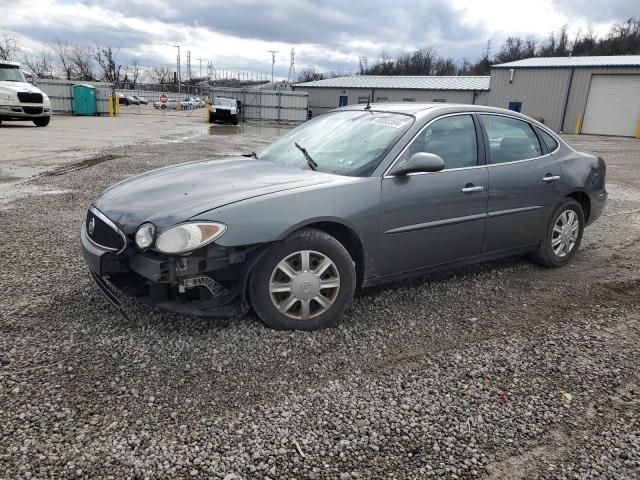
<point>395,122</point>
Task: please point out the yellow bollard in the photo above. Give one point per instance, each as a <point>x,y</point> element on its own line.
<point>117,105</point>
<point>579,124</point>
<point>111,105</point>
<point>638,130</point>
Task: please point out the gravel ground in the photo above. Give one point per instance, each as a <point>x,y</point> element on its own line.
<point>504,370</point>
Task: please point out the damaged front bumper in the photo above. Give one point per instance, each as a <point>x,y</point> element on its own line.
<point>211,282</point>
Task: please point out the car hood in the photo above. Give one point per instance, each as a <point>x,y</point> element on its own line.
<point>171,195</point>
<point>15,87</point>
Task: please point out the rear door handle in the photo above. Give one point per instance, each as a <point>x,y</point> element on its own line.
<point>548,178</point>
<point>469,188</point>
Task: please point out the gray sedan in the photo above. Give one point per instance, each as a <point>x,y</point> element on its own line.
<point>353,198</point>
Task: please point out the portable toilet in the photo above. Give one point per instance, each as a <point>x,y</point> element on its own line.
<point>84,100</point>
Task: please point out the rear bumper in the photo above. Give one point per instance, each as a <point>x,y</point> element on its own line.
<point>598,203</point>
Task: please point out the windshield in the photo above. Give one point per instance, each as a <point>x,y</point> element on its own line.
<point>224,102</point>
<point>11,74</point>
<point>345,143</point>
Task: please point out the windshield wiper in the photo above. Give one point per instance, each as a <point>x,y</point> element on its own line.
<point>310,161</point>
<point>251,155</point>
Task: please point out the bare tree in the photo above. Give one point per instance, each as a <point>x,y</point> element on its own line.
<point>108,66</point>
<point>62,50</point>
<point>134,71</point>
<point>8,46</point>
<point>444,66</point>
<point>40,63</point>
<point>82,61</point>
<point>160,75</point>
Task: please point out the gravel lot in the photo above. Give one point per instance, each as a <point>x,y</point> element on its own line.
<point>505,370</point>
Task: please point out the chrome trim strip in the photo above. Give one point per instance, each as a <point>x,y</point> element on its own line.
<point>437,223</point>
<point>500,213</point>
<point>106,220</point>
<point>541,127</point>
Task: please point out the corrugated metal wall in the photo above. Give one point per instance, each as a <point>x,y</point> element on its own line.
<point>61,94</point>
<point>323,99</point>
<point>267,104</point>
<point>580,91</point>
<point>541,91</point>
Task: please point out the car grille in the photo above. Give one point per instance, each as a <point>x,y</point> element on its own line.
<point>32,110</point>
<point>29,97</point>
<point>103,234</point>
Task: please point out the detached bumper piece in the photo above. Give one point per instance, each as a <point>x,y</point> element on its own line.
<point>111,296</point>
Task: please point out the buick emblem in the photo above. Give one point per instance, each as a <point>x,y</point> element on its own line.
<point>92,225</point>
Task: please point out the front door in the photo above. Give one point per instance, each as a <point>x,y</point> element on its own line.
<point>524,184</point>
<point>344,101</point>
<point>433,218</point>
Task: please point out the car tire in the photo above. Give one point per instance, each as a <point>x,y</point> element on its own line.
<point>562,235</point>
<point>42,121</point>
<point>306,305</point>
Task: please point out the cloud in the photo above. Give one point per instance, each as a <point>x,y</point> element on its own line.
<point>327,34</point>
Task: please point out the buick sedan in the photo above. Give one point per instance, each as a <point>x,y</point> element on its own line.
<point>356,197</point>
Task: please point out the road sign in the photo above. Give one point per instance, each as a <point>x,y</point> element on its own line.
<point>163,98</point>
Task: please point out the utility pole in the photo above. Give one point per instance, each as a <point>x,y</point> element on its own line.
<point>200,60</point>
<point>189,64</point>
<point>178,69</point>
<point>273,61</point>
<point>487,51</point>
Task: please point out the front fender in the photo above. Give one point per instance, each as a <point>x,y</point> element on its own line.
<point>272,217</point>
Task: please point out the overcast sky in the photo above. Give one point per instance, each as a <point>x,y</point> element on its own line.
<point>327,34</point>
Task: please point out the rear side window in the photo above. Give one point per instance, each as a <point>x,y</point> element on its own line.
<point>548,140</point>
<point>452,138</point>
<point>510,139</point>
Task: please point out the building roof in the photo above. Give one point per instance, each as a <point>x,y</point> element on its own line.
<point>559,62</point>
<point>402,82</point>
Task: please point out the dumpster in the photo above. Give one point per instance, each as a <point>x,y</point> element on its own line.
<point>84,100</point>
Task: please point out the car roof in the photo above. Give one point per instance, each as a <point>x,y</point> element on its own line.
<point>433,109</point>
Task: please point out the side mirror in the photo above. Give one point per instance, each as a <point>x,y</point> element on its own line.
<point>418,162</point>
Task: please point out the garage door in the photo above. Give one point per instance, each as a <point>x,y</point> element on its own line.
<point>613,106</point>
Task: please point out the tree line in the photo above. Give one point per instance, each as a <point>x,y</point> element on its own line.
<point>80,62</point>
<point>623,38</point>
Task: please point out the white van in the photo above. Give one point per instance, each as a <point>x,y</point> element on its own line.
<point>19,100</point>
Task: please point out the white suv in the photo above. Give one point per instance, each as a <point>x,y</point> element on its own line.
<point>19,100</point>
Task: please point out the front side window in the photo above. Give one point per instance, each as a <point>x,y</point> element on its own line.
<point>452,138</point>
<point>345,143</point>
<point>510,139</point>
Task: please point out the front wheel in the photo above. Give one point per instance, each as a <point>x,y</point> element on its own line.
<point>563,235</point>
<point>304,282</point>
<point>42,121</point>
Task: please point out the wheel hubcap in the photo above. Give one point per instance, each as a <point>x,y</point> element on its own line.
<point>565,233</point>
<point>304,285</point>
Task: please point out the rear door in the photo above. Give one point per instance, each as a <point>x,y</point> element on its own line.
<point>525,182</point>
<point>433,218</point>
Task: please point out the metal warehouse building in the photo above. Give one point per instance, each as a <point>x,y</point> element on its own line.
<point>337,92</point>
<point>594,95</point>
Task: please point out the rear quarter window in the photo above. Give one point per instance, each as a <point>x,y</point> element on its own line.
<point>550,142</point>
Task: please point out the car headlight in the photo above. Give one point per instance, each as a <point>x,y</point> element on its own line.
<point>233,110</point>
<point>145,235</point>
<point>45,99</point>
<point>7,97</point>
<point>187,237</point>
<point>213,109</point>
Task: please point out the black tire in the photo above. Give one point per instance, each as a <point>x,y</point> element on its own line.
<point>315,241</point>
<point>545,254</point>
<point>42,121</point>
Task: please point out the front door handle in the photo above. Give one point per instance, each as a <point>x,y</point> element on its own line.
<point>470,188</point>
<point>548,178</point>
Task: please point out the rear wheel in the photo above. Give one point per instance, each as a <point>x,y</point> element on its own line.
<point>304,282</point>
<point>42,121</point>
<point>563,235</point>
